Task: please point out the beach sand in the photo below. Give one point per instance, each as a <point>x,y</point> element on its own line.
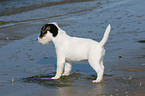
<point>26,65</point>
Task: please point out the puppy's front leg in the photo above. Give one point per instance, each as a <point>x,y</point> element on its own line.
<point>60,65</point>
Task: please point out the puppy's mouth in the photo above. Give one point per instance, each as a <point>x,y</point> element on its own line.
<point>42,41</point>
<point>39,40</point>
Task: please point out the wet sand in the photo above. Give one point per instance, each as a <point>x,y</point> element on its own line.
<point>26,65</point>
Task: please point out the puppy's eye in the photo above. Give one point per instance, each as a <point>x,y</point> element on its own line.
<point>42,33</point>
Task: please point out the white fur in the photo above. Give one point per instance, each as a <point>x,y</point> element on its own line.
<point>69,49</point>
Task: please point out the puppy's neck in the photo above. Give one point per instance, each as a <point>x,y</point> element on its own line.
<point>60,38</point>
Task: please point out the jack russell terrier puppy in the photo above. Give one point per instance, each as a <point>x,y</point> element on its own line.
<point>69,49</point>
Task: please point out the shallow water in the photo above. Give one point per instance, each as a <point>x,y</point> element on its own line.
<point>23,61</point>
<point>8,7</point>
<point>22,12</point>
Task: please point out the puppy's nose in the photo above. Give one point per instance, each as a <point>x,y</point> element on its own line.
<point>37,38</point>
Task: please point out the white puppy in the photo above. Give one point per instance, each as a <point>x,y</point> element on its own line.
<point>69,49</point>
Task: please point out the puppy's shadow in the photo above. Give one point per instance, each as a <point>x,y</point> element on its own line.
<point>64,81</point>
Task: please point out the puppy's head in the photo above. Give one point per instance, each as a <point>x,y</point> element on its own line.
<point>48,32</point>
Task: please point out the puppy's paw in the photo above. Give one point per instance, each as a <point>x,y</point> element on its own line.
<point>54,78</point>
<point>96,81</point>
<point>65,74</point>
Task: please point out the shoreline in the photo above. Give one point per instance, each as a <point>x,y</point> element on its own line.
<point>33,7</point>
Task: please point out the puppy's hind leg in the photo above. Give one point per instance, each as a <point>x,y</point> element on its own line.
<point>97,65</point>
<point>67,70</point>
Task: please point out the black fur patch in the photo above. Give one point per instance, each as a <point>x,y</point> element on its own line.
<point>49,27</point>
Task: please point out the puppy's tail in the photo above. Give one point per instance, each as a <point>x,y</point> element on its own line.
<point>106,35</point>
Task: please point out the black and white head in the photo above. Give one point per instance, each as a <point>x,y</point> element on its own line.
<point>48,33</point>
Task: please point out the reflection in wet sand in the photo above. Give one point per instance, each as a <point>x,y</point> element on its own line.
<point>81,90</point>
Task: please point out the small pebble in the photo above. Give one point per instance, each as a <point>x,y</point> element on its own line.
<point>12,80</point>
<point>116,90</point>
<point>7,38</point>
<point>130,78</point>
<point>140,84</point>
<point>126,92</point>
<point>119,56</point>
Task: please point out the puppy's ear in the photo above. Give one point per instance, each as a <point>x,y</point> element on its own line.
<point>53,29</point>
<point>44,30</point>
